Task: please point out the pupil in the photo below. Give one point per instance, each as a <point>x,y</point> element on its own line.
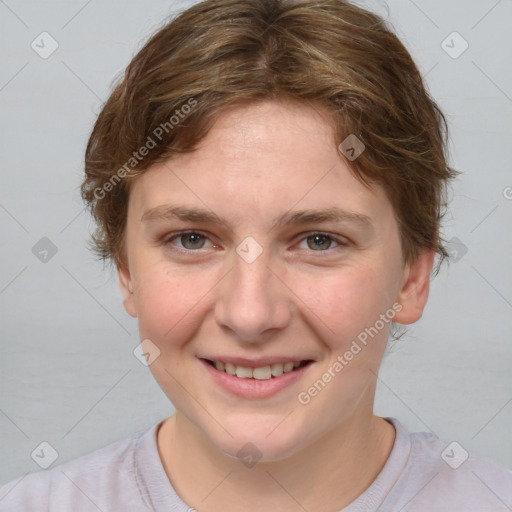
<point>191,239</point>
<point>320,242</point>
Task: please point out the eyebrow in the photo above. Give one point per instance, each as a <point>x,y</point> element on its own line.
<point>297,217</point>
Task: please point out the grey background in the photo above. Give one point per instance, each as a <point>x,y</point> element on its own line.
<point>68,375</point>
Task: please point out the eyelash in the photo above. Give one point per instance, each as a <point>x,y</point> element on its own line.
<point>167,241</point>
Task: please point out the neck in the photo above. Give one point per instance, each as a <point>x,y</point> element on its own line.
<point>327,475</point>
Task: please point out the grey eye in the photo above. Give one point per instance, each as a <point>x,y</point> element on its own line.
<point>319,242</point>
<point>192,240</point>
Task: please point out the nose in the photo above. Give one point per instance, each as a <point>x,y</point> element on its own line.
<point>253,303</point>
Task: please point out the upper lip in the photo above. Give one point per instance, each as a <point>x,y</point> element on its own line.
<point>255,363</point>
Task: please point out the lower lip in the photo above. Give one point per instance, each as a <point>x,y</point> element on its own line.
<point>254,388</point>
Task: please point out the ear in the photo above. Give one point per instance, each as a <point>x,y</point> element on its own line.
<point>126,286</point>
<point>415,287</point>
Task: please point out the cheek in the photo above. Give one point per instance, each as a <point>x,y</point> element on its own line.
<point>168,301</point>
<point>346,303</point>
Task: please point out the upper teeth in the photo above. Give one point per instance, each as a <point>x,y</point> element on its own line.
<point>260,373</point>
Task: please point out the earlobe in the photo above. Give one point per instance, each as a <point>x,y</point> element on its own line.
<point>415,288</point>
<point>126,286</point>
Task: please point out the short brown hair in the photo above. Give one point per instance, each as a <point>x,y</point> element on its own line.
<point>220,54</point>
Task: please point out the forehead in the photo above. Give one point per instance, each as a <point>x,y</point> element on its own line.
<point>281,134</point>
<point>258,161</point>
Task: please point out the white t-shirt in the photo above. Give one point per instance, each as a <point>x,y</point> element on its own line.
<point>422,474</point>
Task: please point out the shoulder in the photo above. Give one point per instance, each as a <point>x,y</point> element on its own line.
<point>84,483</point>
<point>446,476</point>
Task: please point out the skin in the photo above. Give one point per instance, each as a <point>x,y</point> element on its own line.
<point>257,163</point>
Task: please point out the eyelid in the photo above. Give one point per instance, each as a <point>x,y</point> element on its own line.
<point>166,240</point>
<point>340,240</point>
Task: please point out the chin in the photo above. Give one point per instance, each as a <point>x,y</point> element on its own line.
<point>259,443</point>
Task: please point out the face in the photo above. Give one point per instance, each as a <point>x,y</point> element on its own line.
<point>258,249</point>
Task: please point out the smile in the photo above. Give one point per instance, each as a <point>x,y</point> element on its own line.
<point>260,373</point>
<point>258,381</point>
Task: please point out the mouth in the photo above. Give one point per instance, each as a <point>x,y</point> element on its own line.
<point>261,373</point>
<point>256,380</point>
